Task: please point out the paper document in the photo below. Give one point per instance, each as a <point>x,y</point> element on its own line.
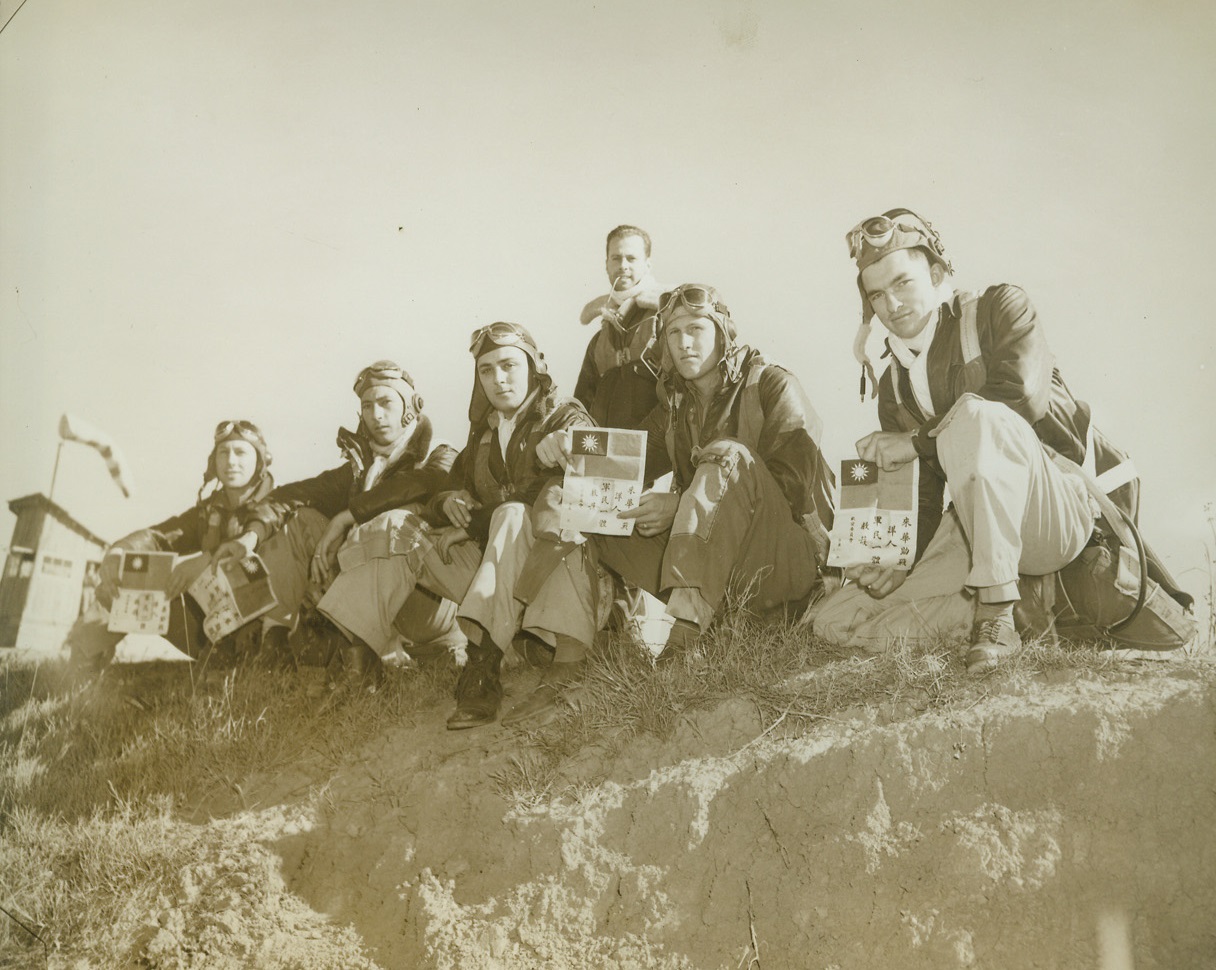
<point>875,521</point>
<point>231,594</point>
<point>141,605</point>
<point>604,476</point>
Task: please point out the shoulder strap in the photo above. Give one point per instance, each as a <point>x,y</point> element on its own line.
<point>751,414</point>
<point>968,331</point>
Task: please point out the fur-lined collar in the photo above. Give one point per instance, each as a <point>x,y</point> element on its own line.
<point>356,447</point>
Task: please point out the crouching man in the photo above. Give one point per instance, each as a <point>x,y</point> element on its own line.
<point>499,520</point>
<point>236,478</point>
<point>363,515</point>
<point>972,393</point>
<point>752,494</point>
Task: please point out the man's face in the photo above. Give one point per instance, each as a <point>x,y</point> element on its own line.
<point>503,373</point>
<point>627,262</point>
<point>902,289</point>
<point>381,410</point>
<point>694,343</point>
<point>235,463</point>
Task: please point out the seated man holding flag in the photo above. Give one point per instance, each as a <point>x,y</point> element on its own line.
<point>752,494</point>
<point>236,478</point>
<point>973,394</point>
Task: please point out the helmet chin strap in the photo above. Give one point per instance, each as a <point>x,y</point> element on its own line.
<point>859,353</point>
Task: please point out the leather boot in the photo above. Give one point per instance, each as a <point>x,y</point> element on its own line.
<point>362,668</point>
<point>479,689</point>
<point>275,650</point>
<point>559,684</point>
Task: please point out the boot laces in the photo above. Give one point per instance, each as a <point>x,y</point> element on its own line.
<point>992,631</point>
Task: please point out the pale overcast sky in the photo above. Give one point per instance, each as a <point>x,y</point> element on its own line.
<point>225,209</point>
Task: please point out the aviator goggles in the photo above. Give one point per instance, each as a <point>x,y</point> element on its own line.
<point>503,334</point>
<point>244,429</point>
<point>694,297</point>
<point>381,372</point>
<point>878,231</point>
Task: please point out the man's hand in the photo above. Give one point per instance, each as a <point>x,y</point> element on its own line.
<point>554,449</point>
<point>324,565</point>
<point>185,572</point>
<point>889,449</point>
<point>654,514</point>
<point>444,539</point>
<point>237,548</point>
<point>107,577</point>
<point>459,506</point>
<point>878,581</point>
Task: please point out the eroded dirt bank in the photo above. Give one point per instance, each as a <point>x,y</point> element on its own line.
<point>1047,829</point>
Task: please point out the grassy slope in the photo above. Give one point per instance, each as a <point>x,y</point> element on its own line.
<point>107,792</point>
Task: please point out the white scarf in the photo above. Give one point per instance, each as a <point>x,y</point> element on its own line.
<point>384,457</point>
<point>912,354</point>
<point>619,297</point>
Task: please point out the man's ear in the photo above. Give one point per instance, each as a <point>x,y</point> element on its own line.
<point>937,273</point>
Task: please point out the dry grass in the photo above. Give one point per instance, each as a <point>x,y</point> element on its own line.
<point>105,790</point>
<point>794,680</point>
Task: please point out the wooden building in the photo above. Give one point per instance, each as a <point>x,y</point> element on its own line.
<point>44,577</point>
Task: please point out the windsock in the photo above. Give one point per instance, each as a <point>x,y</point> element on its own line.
<point>73,429</point>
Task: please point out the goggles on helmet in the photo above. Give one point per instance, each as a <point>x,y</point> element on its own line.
<point>694,297</point>
<point>878,231</point>
<point>243,429</point>
<point>382,372</point>
<point>502,334</point>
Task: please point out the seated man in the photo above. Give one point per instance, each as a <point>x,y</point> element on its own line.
<point>499,521</point>
<point>366,512</point>
<point>973,393</point>
<point>237,477</point>
<point>752,498</point>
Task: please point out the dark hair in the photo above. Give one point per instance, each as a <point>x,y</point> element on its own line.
<point>621,231</point>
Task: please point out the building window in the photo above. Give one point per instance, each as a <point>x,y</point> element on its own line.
<point>54,566</point>
<point>20,565</point>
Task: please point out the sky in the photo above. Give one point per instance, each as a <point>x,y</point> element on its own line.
<point>226,209</point>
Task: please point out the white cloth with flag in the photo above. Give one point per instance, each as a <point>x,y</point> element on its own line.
<point>875,522</point>
<point>232,592</point>
<point>604,476</point>
<point>72,428</point>
<point>141,604</point>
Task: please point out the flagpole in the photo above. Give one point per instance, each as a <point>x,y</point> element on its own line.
<point>55,472</point>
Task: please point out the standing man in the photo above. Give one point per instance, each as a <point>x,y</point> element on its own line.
<point>752,494</point>
<point>369,509</point>
<point>617,384</point>
<point>617,381</point>
<point>973,393</point>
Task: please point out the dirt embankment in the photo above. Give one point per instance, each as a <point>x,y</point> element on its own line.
<point>1071,826</point>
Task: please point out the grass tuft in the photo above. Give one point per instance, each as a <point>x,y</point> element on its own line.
<point>792,679</point>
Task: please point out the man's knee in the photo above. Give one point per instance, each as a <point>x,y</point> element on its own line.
<point>972,415</point>
<point>509,515</point>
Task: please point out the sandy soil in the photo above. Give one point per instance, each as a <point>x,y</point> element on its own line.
<point>1068,825</point>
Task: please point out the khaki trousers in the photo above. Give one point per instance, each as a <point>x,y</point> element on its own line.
<point>734,527</point>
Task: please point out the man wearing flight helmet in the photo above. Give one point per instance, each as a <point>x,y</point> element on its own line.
<point>368,508</point>
<point>973,393</point>
<point>493,531</point>
<point>236,478</point>
<point>752,493</point>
